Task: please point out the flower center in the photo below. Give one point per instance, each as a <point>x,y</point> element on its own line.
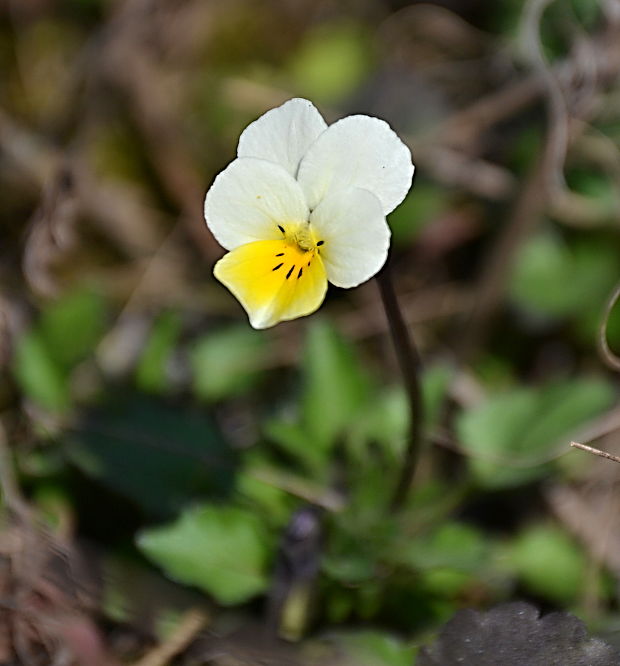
<point>301,236</point>
<point>298,248</point>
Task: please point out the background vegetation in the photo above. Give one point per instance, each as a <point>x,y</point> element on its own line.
<point>181,488</point>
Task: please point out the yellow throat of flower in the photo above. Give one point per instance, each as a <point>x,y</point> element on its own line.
<point>277,280</point>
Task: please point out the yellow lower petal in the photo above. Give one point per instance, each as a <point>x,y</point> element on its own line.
<point>274,280</point>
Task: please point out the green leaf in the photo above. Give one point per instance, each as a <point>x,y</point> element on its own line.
<point>335,388</point>
<point>549,563</point>
<point>435,383</point>
<point>372,648</point>
<point>151,374</point>
<point>384,426</point>
<point>38,374</point>
<point>351,556</point>
<point>154,453</point>
<point>510,434</point>
<point>227,362</point>
<point>276,504</point>
<point>386,423</point>
<point>612,330</point>
<point>53,504</point>
<point>72,326</point>
<point>557,280</point>
<point>447,582</point>
<point>339,603</point>
<point>332,61</point>
<point>294,439</point>
<point>64,335</point>
<point>360,534</point>
<point>351,568</point>
<point>447,559</point>
<point>369,488</point>
<point>421,206</point>
<point>589,13</point>
<point>223,550</point>
<point>600,191</point>
<point>451,545</point>
<point>544,260</point>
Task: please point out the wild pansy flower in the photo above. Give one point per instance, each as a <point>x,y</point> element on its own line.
<point>304,204</point>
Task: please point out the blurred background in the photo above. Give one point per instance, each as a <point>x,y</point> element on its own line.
<point>178,488</point>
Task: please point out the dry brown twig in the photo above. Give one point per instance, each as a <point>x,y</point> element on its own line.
<point>11,494</point>
<point>129,65</point>
<point>596,452</point>
<point>120,212</point>
<point>543,181</point>
<point>51,233</point>
<point>458,135</point>
<point>45,609</point>
<point>463,127</point>
<point>558,117</point>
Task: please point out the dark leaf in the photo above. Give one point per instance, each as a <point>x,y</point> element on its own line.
<point>158,455</point>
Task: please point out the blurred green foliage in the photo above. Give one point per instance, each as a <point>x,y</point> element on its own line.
<point>332,61</point>
<point>151,372</point>
<point>46,354</point>
<point>335,386</point>
<point>187,455</point>
<point>370,648</point>
<point>549,563</point>
<point>227,363</point>
<point>512,435</point>
<point>418,210</point>
<point>577,280</point>
<point>224,550</point>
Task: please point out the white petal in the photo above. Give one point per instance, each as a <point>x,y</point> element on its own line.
<point>355,234</point>
<point>249,199</point>
<point>283,135</point>
<point>357,151</point>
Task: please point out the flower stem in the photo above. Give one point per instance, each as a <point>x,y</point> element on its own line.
<point>410,365</point>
